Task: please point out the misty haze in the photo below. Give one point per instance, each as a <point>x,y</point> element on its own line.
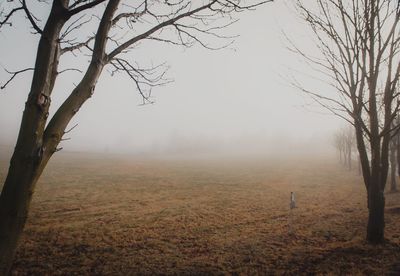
<point>199,137</point>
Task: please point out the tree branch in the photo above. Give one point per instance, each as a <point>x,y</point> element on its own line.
<point>86,6</point>
<point>30,17</point>
<point>14,74</point>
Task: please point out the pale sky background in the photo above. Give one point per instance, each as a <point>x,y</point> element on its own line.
<point>228,99</point>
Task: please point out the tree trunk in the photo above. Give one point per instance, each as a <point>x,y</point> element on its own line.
<point>376,218</point>
<point>14,206</point>
<point>398,152</point>
<point>30,154</point>
<point>393,186</point>
<point>393,166</point>
<point>349,159</point>
<point>36,144</point>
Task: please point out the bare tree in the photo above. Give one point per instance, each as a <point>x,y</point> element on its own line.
<point>344,142</point>
<point>397,137</point>
<point>338,143</point>
<point>358,43</point>
<point>394,156</point>
<point>119,27</point>
<point>349,141</point>
<point>393,164</point>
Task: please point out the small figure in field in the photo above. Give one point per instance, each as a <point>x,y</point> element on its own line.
<point>292,201</point>
<point>292,206</point>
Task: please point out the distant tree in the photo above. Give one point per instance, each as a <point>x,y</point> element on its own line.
<point>349,138</point>
<point>120,26</point>
<point>344,142</point>
<point>393,164</point>
<point>394,157</point>
<point>397,137</point>
<point>338,143</point>
<point>358,46</point>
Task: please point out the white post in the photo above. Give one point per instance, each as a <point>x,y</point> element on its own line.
<point>292,205</point>
<point>292,201</point>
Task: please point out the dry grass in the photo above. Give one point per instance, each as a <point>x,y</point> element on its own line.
<point>114,216</point>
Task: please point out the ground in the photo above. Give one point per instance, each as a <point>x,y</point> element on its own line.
<point>112,215</point>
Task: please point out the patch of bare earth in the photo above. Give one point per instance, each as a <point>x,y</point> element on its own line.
<point>113,216</point>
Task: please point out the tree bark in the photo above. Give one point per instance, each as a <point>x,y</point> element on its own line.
<point>376,218</point>
<point>398,152</point>
<point>393,186</point>
<point>363,156</point>
<point>376,198</point>
<point>14,205</point>
<point>393,165</point>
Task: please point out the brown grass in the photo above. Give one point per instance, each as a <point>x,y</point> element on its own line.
<point>114,216</point>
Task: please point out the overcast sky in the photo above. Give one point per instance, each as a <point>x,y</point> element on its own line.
<point>227,98</point>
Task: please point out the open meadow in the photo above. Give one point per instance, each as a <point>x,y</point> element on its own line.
<point>111,215</point>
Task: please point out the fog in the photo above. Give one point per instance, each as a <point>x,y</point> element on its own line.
<point>234,100</point>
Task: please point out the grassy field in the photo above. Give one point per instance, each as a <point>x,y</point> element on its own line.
<point>110,215</point>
